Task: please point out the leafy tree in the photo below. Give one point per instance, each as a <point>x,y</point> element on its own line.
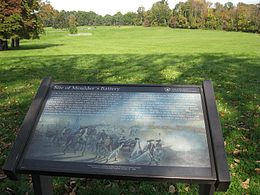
<point>160,13</point>
<point>99,20</point>
<point>246,18</point>
<point>47,14</point>
<point>118,19</point>
<point>257,17</point>
<point>61,20</point>
<point>197,13</point>
<point>130,18</point>
<point>210,20</point>
<point>32,26</point>
<point>72,21</point>
<point>10,21</point>
<point>91,18</point>
<point>229,5</point>
<point>181,13</point>
<point>147,19</point>
<point>81,18</point>
<point>108,20</point>
<point>178,22</point>
<point>19,20</point>
<point>140,15</point>
<point>88,18</point>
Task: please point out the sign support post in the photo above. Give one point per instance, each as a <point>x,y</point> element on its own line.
<point>42,185</point>
<point>206,189</point>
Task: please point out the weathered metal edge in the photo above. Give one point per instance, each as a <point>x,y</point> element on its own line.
<point>12,160</point>
<point>223,176</point>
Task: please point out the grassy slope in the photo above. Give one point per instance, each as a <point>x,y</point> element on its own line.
<point>143,55</point>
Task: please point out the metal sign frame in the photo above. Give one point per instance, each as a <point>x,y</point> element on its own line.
<point>218,181</point>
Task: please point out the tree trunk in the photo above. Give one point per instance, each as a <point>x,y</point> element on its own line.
<point>5,45</point>
<point>1,45</point>
<point>17,42</point>
<point>12,43</point>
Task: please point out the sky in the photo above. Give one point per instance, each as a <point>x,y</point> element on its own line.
<point>104,7</point>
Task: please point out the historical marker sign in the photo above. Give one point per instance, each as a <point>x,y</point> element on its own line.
<point>121,131</point>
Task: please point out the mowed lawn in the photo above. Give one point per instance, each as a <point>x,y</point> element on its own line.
<point>142,55</point>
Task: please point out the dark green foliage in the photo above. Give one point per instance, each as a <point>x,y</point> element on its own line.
<point>160,13</point>
<point>141,15</point>
<point>107,20</point>
<point>19,20</point>
<point>192,14</point>
<point>47,14</point>
<point>88,18</point>
<point>201,14</point>
<point>73,29</point>
<point>130,18</point>
<point>32,26</point>
<point>61,20</point>
<point>118,19</point>
<point>10,21</point>
<point>72,24</point>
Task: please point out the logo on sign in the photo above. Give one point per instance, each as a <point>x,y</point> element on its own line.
<point>167,89</point>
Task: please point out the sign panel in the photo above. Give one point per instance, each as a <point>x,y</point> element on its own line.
<point>122,128</point>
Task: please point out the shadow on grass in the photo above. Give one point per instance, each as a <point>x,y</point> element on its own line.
<point>235,78</point>
<point>36,46</point>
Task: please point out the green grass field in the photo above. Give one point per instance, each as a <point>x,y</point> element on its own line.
<point>142,55</point>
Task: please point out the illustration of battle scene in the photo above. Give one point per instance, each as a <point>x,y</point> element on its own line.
<point>81,139</point>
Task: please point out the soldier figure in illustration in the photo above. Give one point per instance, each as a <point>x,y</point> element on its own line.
<point>72,140</point>
<point>101,149</point>
<point>91,138</point>
<point>115,153</point>
<point>158,152</point>
<point>137,149</point>
<point>152,153</point>
<point>57,138</point>
<point>81,143</point>
<point>146,155</point>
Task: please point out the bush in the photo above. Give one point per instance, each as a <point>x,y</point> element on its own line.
<point>146,23</point>
<point>73,30</point>
<point>72,21</point>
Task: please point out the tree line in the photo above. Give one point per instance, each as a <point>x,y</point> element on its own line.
<point>193,14</point>
<point>25,19</point>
